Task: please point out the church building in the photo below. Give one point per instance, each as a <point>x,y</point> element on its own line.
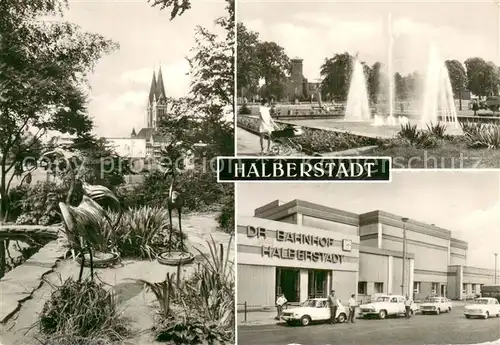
<point>156,110</point>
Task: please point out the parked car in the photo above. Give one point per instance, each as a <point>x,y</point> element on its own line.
<point>386,305</point>
<point>483,307</point>
<point>313,310</point>
<point>435,305</point>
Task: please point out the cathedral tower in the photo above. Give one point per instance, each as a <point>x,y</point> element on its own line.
<point>157,102</point>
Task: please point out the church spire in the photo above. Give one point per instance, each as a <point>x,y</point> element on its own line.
<point>152,89</point>
<point>160,87</point>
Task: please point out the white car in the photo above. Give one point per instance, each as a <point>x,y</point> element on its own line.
<point>435,305</point>
<point>385,305</point>
<point>313,310</point>
<point>483,307</point>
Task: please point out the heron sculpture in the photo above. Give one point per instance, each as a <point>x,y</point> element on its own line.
<point>174,202</point>
<point>83,223</point>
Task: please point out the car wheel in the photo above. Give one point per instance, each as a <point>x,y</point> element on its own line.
<point>438,311</point>
<point>342,317</point>
<point>305,320</point>
<point>382,314</point>
<point>449,309</point>
<point>487,315</point>
<point>467,316</point>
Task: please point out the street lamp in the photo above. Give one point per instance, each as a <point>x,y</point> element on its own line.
<point>403,280</point>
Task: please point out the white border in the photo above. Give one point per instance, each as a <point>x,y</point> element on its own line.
<point>307,158</point>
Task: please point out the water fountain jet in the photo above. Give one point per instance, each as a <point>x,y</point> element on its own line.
<point>438,101</point>
<point>358,107</point>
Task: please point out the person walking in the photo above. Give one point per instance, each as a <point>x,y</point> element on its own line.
<point>475,107</point>
<point>333,304</point>
<point>408,307</point>
<point>280,303</point>
<point>266,124</point>
<point>352,308</point>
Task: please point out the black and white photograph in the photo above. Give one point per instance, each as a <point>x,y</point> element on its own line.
<point>113,227</point>
<point>414,80</point>
<point>414,261</point>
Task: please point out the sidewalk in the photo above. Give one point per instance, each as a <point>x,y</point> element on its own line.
<point>257,318</point>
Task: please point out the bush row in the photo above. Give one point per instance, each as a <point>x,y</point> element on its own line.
<point>316,140</point>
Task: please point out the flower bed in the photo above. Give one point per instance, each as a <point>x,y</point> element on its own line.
<point>317,140</point>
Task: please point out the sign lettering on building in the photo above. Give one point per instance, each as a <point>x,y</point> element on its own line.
<point>296,238</point>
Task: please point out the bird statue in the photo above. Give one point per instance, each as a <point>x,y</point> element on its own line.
<point>174,202</point>
<point>83,223</point>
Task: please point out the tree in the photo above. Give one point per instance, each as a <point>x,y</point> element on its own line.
<point>275,66</point>
<point>374,82</point>
<point>401,87</point>
<point>483,78</point>
<point>211,99</point>
<point>336,73</point>
<point>248,67</point>
<point>44,67</point>
<point>458,78</point>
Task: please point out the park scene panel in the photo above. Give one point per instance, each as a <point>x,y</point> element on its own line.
<point>416,81</point>
<point>113,227</point>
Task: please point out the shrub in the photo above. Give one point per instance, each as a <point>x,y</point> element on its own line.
<point>480,135</point>
<point>244,110</point>
<point>206,302</point>
<point>142,233</point>
<point>410,132</point>
<point>37,204</point>
<point>199,189</point>
<point>226,218</point>
<point>81,313</point>
<point>438,130</point>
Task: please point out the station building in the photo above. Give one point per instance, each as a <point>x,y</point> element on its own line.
<point>304,250</point>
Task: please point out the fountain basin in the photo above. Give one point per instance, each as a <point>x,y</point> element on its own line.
<point>100,260</point>
<point>175,258</point>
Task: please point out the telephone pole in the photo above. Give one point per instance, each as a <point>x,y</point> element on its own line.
<point>403,281</point>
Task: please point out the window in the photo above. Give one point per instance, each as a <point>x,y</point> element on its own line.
<point>435,287</point>
<point>362,288</point>
<point>379,287</point>
<point>464,288</point>
<point>394,300</point>
<point>416,287</point>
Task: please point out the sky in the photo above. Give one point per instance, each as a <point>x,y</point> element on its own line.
<point>314,30</point>
<point>121,80</point>
<point>467,203</point>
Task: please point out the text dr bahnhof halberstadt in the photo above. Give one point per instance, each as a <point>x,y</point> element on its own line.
<point>303,169</point>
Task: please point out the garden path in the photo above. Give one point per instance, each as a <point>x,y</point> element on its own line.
<point>136,302</point>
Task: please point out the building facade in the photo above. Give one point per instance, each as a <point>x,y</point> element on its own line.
<point>304,250</point>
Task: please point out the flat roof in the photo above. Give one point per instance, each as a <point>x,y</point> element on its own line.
<point>278,209</point>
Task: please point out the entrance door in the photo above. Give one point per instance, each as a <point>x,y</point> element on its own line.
<point>288,283</point>
<point>317,284</point>
<point>443,293</point>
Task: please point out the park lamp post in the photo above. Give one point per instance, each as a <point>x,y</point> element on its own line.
<point>403,280</point>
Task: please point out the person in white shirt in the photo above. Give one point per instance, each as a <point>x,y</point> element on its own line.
<point>266,124</point>
<point>280,303</point>
<point>352,308</point>
<point>407,307</point>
